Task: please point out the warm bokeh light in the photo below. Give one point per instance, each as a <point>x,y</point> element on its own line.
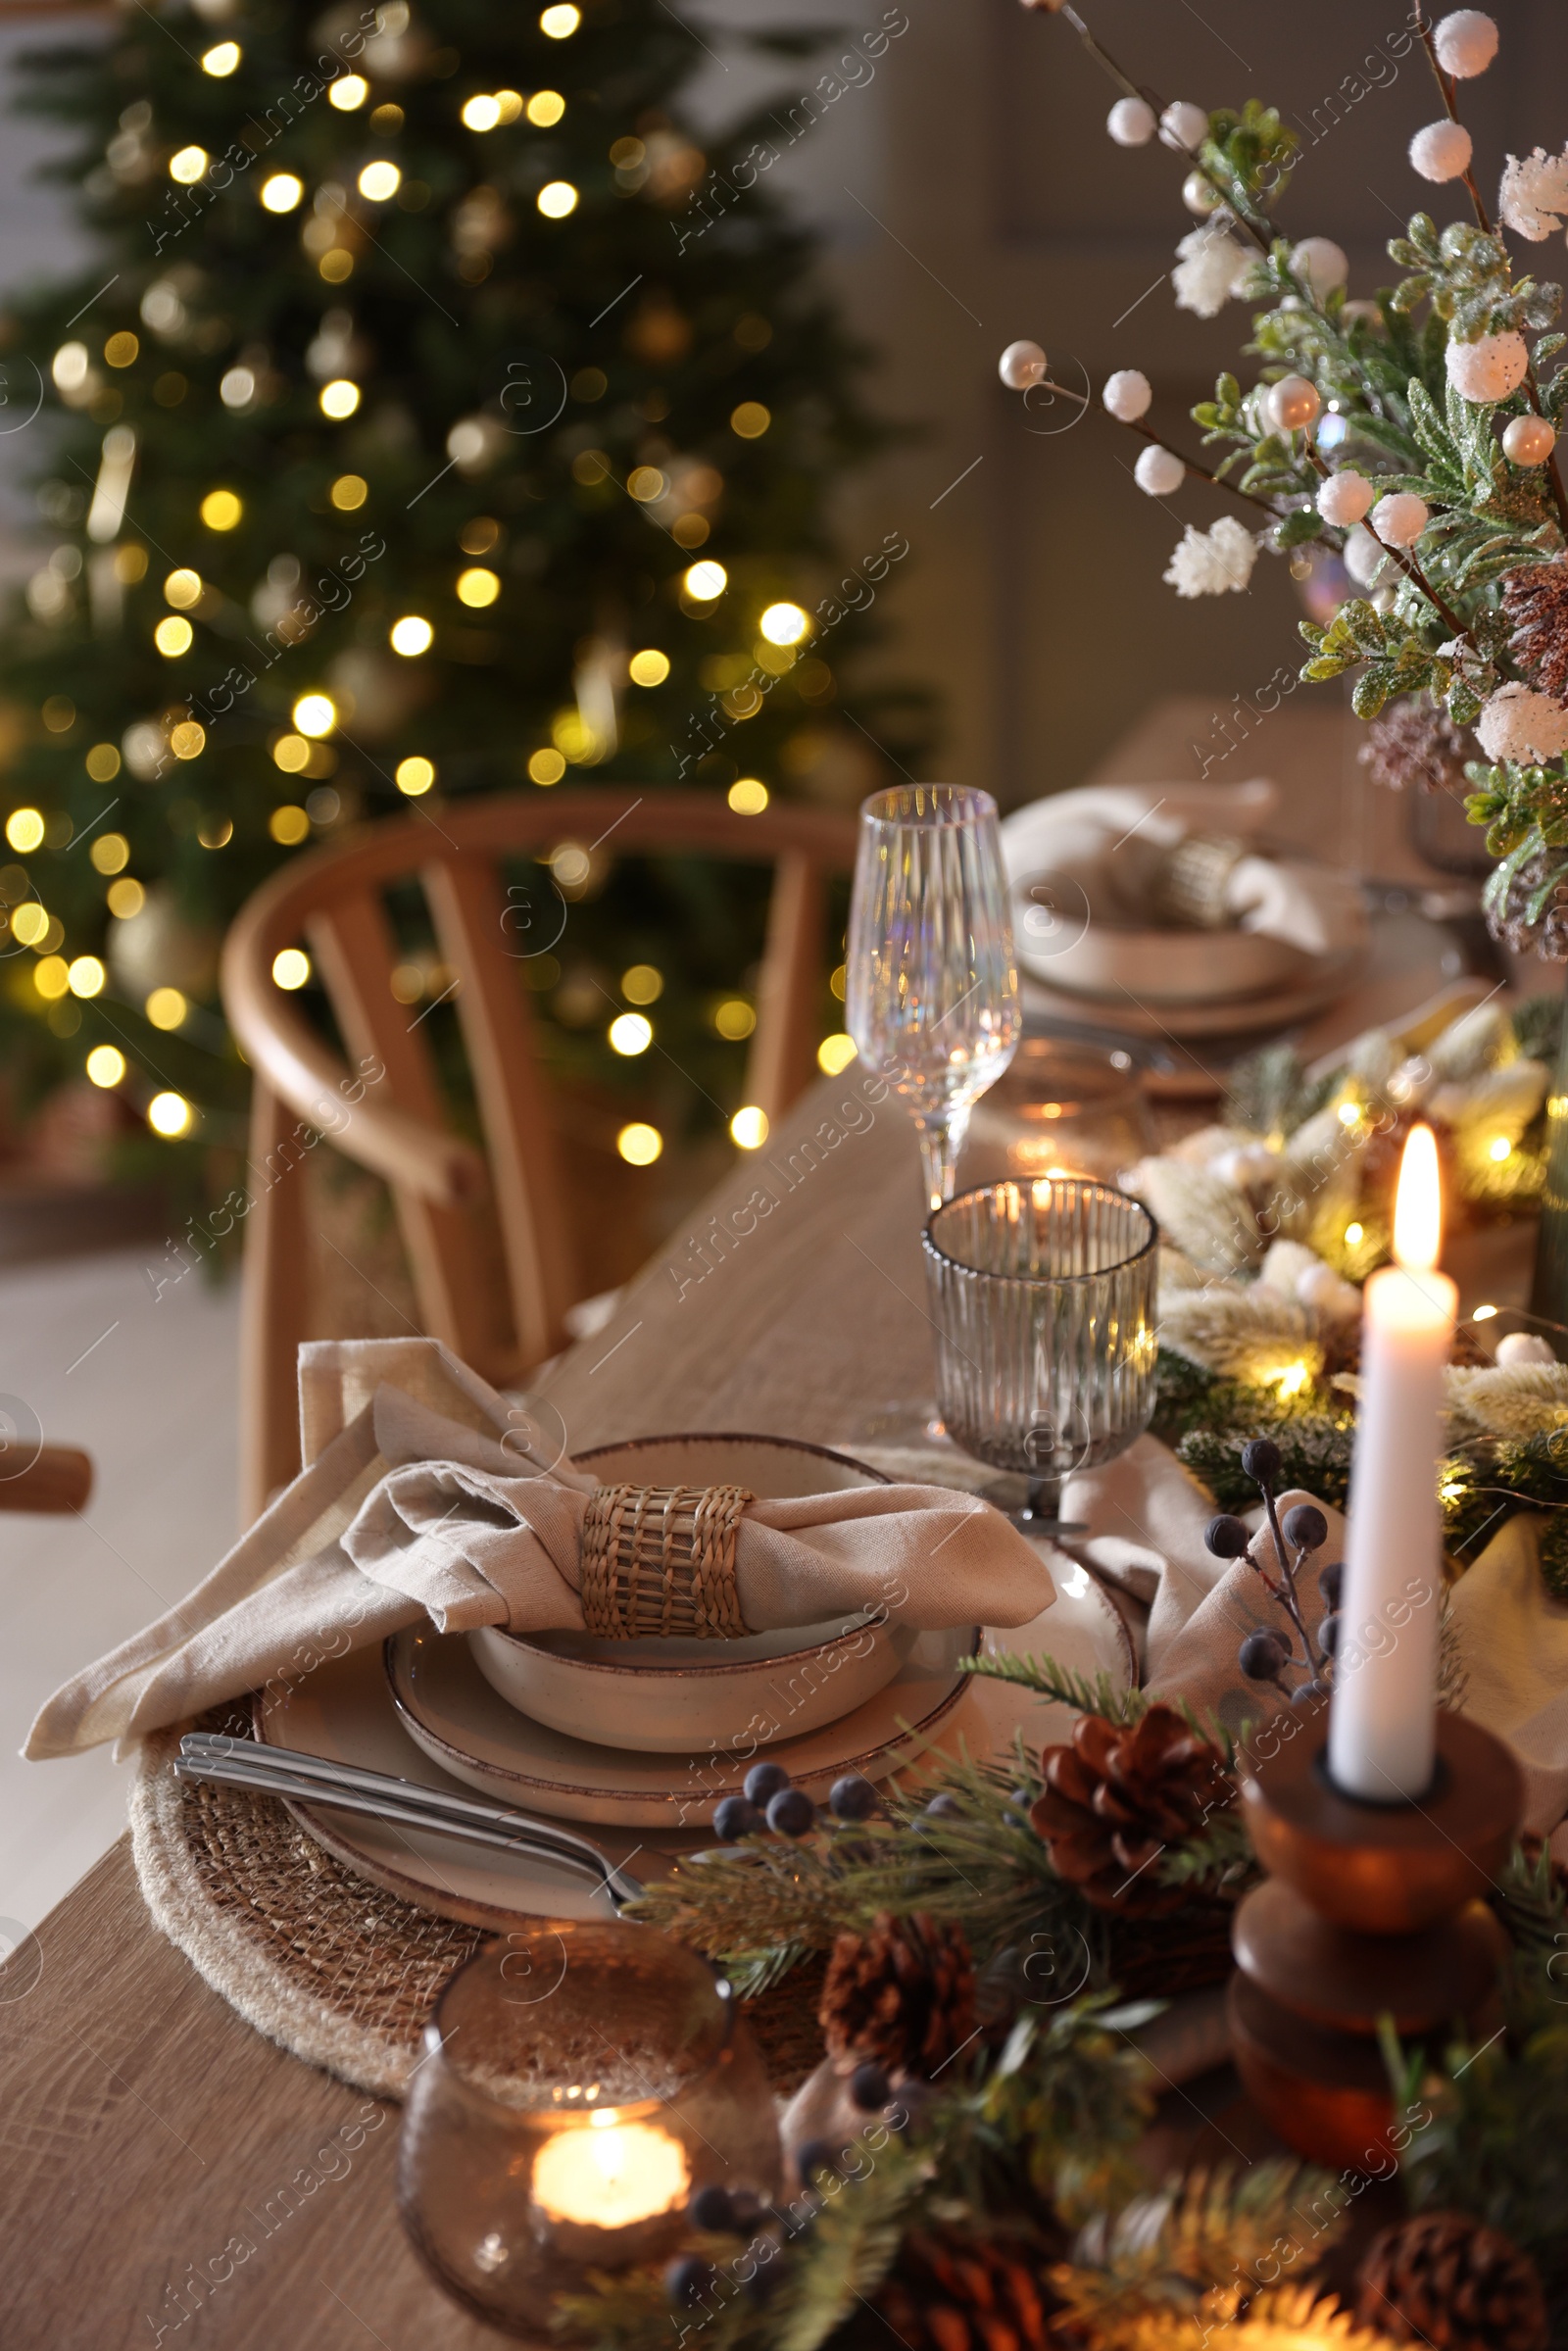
<point>560,23</point>
<point>748,796</point>
<point>291,967</point>
<point>187,165</point>
<point>1418,1205</point>
<point>339,398</point>
<point>122,349</point>
<point>125,897</point>
<point>173,636</point>
<point>545,108</point>
<point>646,484</point>
<point>705,581</point>
<point>642,984</point>
<point>649,667</point>
<point>169,1115</point>
<point>187,740</point>
<point>288,825</point>
<point>222,61</point>
<point>734,1018</point>
<point>103,763</point>
<point>313,714</point>
<point>29,923</point>
<point>835,1052</point>
<point>110,852</point>
<point>182,589</point>
<point>380,180</point>
<point>349,91</point>
<point>1352,1235</point>
<point>639,1144</point>
<point>416,776</point>
<point>481,114</point>
<point>547,766</point>
<point>1500,1148</point>
<point>51,978</point>
<point>166,1007</point>
<point>478,587</point>
<point>629,1034</point>
<point>281,191</point>
<point>1482,1315</point>
<point>784,624</point>
<point>87,976</point>
<point>292,753</point>
<point>557,198</point>
<point>411,636</point>
<point>221,510</point>
<point>24,831</point>
<point>751,420</point>
<point>349,492</point>
<point>105,1066</point>
<point>749,1128</point>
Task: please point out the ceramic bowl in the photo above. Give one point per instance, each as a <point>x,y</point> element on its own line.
<point>669,1696</point>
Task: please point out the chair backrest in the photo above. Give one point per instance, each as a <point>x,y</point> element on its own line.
<point>388,1112</point>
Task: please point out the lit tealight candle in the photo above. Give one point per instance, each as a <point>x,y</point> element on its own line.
<point>610,2174</point>
<point>1381,1727</point>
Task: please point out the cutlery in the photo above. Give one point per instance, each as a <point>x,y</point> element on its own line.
<point>346,1787</point>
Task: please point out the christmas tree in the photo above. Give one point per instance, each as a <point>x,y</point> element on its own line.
<point>436,417</point>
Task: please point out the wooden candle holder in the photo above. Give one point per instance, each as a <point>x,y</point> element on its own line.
<point>1369,1910</point>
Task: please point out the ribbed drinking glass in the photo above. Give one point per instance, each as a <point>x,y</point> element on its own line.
<point>931,993</point>
<point>1043,1298</point>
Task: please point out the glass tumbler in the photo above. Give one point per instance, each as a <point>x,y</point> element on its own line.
<point>579,2082</point>
<point>1064,1107</point>
<point>1043,1299</point>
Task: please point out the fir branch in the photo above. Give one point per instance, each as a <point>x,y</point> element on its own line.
<point>1062,1685</point>
<point>855,2242</point>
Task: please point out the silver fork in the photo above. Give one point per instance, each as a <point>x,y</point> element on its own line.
<point>346,1787</point>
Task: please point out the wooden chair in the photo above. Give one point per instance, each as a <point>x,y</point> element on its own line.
<point>398,1124</point>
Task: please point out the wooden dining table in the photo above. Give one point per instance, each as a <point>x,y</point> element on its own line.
<point>142,2122</point>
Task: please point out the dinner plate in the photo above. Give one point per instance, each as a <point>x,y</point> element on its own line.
<point>449,1709</point>
<point>343,1711</point>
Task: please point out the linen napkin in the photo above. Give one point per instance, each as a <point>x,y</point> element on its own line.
<point>420,1497</point>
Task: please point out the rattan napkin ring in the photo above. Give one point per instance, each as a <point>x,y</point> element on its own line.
<point>661,1560</point>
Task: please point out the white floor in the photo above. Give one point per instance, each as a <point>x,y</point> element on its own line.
<point>148,1383</point>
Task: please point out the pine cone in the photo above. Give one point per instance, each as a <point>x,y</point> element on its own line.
<point>955,2294</point>
<point>1414,743</point>
<point>1536,600</point>
<point>1120,1794</point>
<point>1545,931</point>
<point>903,1994</point>
<point>1444,2278</point>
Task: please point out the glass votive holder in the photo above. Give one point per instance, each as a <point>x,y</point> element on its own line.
<point>1062,1107</point>
<point>1043,1299</point>
<point>579,2082</point>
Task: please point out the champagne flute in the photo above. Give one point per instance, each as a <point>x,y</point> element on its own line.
<point>931,984</point>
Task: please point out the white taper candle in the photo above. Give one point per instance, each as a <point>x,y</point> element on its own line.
<point>1382,1725</point>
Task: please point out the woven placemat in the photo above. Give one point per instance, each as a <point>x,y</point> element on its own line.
<point>323,1963</point>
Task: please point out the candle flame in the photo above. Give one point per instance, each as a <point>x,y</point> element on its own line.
<point>1418,1205</point>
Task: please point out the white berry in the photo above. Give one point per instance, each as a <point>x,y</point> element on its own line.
<point>1160,471</point>
<point>1399,519</point>
<point>1321,262</point>
<point>1321,1286</point>
<point>1127,395</point>
<point>1441,151</point>
<point>1200,195</point>
<point>1528,440</point>
<point>1466,43</point>
<point>1020,366</point>
<point>1345,498</point>
<point>1182,124</point>
<point>1292,404</point>
<point>1517,1347</point>
<point>1364,558</point>
<point>1131,121</point>
<point>1489,369</point>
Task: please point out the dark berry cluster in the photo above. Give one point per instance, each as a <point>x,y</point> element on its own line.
<point>772,1802</point>
<point>1269,1653</point>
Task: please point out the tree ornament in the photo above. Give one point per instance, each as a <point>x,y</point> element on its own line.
<point>1516,1350</point>
<point>1131,121</point>
<point>900,1994</point>
<point>1528,440</point>
<point>1127,395</point>
<point>1536,600</point>
<point>952,2291</point>
<point>1441,151</point>
<point>1182,126</point>
<point>1292,404</point>
<point>1021,365</point>
<point>1320,264</point>
<point>1412,744</point>
<point>1119,1794</point>
<point>1158,472</point>
<point>1466,43</point>
<point>1346,499</point>
<point>1516,724</point>
<point>1489,369</point>
<point>1399,519</point>
<point>1210,267</point>
<point>1200,195</point>
<point>1446,2279</point>
<point>1217,562</point>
